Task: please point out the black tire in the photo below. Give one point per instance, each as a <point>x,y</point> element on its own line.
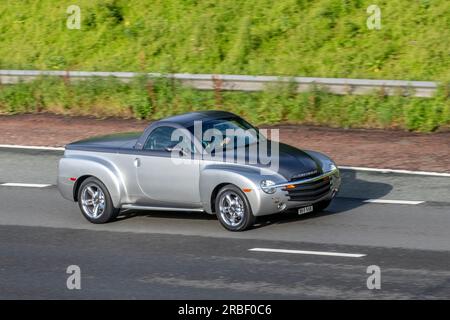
<point>246,217</point>
<point>106,211</point>
<point>322,205</point>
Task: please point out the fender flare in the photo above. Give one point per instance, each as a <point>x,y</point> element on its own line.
<point>215,176</point>
<point>82,166</point>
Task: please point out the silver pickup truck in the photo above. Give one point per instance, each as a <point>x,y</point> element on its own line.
<point>196,162</point>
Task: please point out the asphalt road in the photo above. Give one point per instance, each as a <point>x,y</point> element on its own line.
<point>190,256</point>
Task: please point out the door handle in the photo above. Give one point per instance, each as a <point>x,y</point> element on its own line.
<point>137,162</point>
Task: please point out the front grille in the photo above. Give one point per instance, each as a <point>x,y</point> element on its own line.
<point>310,191</point>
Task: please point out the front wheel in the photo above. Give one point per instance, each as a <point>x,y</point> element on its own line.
<point>233,209</point>
<point>95,201</point>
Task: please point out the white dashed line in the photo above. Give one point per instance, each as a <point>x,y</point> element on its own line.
<point>381,201</point>
<point>13,146</point>
<point>393,201</point>
<point>25,185</point>
<point>420,173</point>
<point>318,253</point>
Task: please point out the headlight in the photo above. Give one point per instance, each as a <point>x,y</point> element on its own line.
<point>267,186</point>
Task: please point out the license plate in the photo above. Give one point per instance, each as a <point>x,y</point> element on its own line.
<point>305,210</point>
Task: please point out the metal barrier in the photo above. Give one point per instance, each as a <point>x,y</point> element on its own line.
<point>247,83</point>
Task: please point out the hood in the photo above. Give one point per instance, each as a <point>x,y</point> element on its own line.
<point>293,163</point>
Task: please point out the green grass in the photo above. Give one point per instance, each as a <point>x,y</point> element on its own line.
<point>156,98</point>
<point>319,38</point>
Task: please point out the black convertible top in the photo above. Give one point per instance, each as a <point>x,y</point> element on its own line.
<point>187,119</point>
<point>129,141</point>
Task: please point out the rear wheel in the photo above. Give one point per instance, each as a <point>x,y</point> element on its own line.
<point>233,209</point>
<point>95,201</point>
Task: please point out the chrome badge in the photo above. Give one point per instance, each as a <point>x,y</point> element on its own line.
<point>304,174</point>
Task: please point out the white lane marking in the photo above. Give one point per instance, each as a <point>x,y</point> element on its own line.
<point>421,173</point>
<point>393,201</point>
<point>386,201</point>
<point>318,253</point>
<point>14,146</point>
<point>25,185</point>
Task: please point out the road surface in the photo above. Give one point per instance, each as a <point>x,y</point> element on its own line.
<point>170,255</point>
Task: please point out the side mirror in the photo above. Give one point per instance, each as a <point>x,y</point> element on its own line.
<point>181,152</point>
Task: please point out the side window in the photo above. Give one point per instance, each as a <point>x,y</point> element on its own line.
<point>160,139</point>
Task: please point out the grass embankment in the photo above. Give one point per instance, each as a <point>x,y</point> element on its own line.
<point>320,38</point>
<point>156,98</point>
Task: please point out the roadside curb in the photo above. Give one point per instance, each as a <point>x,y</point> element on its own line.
<point>13,146</point>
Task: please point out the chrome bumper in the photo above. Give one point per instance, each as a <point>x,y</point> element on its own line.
<point>279,201</point>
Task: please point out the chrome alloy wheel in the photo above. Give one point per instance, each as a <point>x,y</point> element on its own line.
<point>231,208</point>
<point>93,200</point>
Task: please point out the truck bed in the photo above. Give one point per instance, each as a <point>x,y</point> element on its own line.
<point>110,143</point>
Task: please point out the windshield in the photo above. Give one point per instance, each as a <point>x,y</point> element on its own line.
<point>225,132</point>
